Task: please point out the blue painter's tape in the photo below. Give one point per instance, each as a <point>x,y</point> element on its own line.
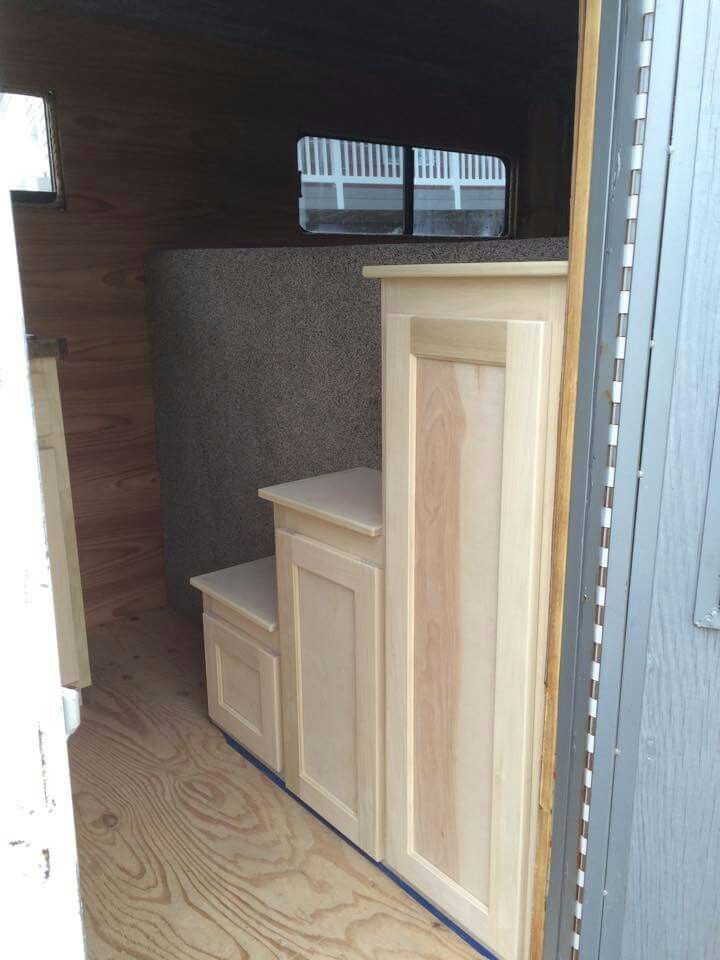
<point>417,897</point>
<point>270,774</point>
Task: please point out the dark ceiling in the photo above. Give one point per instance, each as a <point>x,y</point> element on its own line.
<point>502,47</point>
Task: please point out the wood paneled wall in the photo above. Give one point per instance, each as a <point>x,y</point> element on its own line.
<point>171,142</point>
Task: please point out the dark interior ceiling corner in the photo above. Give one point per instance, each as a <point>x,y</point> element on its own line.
<point>499,46</point>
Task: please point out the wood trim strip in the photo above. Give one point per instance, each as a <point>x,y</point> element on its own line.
<point>586,87</point>
<point>518,268</point>
<point>469,341</point>
<point>519,565</point>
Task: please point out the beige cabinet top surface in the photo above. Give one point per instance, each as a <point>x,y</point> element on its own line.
<point>351,498</point>
<point>508,268</point>
<point>248,588</point>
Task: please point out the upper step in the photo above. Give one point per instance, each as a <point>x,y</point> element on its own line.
<point>350,498</point>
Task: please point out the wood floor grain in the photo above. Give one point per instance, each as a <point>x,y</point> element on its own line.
<point>187,852</point>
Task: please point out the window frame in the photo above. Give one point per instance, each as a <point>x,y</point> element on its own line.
<point>409,190</point>
<point>53,199</point>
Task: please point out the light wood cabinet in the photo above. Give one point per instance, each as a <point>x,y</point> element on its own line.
<point>243,689</point>
<point>471,367</point>
<point>242,662</point>
<point>327,539</point>
<point>60,525</point>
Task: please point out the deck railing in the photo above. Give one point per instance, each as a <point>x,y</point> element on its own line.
<point>346,162</point>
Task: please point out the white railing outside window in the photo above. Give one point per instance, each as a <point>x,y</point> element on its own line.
<point>346,162</point>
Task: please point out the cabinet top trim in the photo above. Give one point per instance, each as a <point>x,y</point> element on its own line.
<point>518,268</point>
<point>350,498</point>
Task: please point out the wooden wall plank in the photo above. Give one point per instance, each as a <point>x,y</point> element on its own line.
<point>588,50</point>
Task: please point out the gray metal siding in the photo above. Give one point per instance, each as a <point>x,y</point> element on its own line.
<point>672,905</point>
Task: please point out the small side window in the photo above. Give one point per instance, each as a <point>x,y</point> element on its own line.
<point>357,187</point>
<point>28,138</point>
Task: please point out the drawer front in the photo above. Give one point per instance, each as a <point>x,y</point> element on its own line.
<point>243,685</point>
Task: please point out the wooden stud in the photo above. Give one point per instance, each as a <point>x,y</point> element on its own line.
<point>589,42</point>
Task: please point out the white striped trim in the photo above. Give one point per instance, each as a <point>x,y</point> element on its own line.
<point>641,106</point>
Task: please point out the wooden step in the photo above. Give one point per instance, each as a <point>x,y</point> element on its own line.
<point>248,589</point>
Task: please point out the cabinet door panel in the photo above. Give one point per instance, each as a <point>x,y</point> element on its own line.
<point>458,442</point>
<point>326,632</point>
<point>330,632</point>
<point>243,685</point>
<point>465,415</point>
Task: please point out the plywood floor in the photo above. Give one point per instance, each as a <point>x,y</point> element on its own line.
<point>187,852</point>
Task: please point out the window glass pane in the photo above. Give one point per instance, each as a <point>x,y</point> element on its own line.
<point>458,194</point>
<point>350,187</point>
<point>24,140</point>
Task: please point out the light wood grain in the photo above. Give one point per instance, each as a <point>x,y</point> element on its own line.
<point>243,686</point>
<point>59,574</point>
<point>242,655</point>
<point>349,498</point>
<point>221,611</point>
<point>249,589</point>
<point>60,524</point>
<point>326,681</point>
<point>331,656</point>
<point>522,268</point>
<point>503,298</point>
<point>439,542</point>
<point>461,339</point>
<point>520,634</point>
<point>586,90</point>
<point>371,549</point>
<point>188,851</point>
<point>457,509</point>
<point>42,398</point>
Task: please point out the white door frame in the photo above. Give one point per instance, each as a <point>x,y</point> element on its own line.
<point>38,854</point>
